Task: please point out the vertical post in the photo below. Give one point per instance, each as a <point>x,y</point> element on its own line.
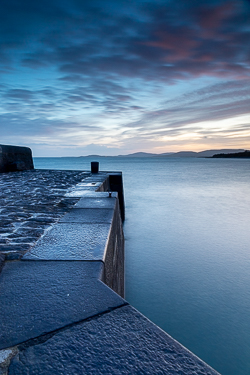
<point>116,184</point>
<point>94,167</point>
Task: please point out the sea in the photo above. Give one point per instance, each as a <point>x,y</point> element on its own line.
<point>187,243</point>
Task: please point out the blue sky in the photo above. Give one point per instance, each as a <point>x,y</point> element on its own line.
<point>115,77</point>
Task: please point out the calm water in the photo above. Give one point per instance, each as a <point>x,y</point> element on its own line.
<point>187,233</point>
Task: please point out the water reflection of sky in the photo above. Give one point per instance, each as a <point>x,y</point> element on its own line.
<point>188,261</point>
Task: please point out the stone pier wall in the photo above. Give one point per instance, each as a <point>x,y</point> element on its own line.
<point>62,282</point>
<point>15,158</point>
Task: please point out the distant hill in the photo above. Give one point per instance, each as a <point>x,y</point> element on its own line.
<point>91,156</point>
<point>201,154</point>
<point>180,154</point>
<point>210,153</point>
<point>245,154</point>
<point>139,155</point>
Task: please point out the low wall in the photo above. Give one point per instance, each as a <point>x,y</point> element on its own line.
<point>62,310</point>
<point>15,158</point>
<point>113,271</point>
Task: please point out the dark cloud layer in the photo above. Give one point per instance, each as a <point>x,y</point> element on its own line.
<point>160,39</point>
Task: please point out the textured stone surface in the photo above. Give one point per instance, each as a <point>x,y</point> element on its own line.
<point>57,317</point>
<point>97,177</point>
<point>88,215</point>
<point>121,342</point>
<point>81,191</point>
<point>97,202</point>
<point>40,297</point>
<point>30,202</point>
<point>78,193</point>
<point>93,194</point>
<point>94,183</point>
<point>88,184</point>
<point>72,241</point>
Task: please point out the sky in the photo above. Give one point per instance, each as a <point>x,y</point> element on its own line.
<point>114,77</point>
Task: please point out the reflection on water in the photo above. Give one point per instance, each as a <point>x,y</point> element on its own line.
<point>188,250</point>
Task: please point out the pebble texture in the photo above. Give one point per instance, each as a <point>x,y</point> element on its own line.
<point>30,201</point>
<point>41,297</point>
<point>121,342</point>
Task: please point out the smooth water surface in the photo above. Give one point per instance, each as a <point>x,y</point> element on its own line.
<point>187,233</point>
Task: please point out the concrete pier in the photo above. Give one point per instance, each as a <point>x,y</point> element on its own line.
<point>62,282</point>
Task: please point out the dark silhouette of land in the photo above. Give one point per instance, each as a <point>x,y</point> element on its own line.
<point>245,154</point>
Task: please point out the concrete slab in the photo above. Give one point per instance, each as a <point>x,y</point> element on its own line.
<point>67,241</point>
<point>88,183</point>
<point>81,192</point>
<point>96,178</point>
<point>121,342</point>
<point>95,202</point>
<point>88,215</point>
<point>96,194</point>
<point>41,297</point>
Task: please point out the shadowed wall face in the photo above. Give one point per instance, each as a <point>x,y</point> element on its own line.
<point>15,158</point>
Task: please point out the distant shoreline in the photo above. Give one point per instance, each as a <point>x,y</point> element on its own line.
<point>223,153</point>
<point>243,155</point>
<point>180,154</point>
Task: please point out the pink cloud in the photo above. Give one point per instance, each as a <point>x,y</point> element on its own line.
<point>211,18</point>
<point>177,43</point>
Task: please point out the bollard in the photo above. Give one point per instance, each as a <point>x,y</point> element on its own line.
<point>94,167</point>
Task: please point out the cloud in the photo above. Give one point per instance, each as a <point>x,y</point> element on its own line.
<point>214,103</point>
<point>19,94</point>
<point>157,40</point>
<point>119,71</point>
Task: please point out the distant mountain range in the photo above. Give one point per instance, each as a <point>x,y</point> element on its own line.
<point>184,154</point>
<point>180,154</point>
